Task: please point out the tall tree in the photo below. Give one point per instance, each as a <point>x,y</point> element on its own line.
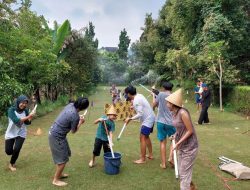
<point>123,45</point>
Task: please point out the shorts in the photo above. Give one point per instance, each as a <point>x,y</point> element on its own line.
<point>146,130</point>
<point>60,149</point>
<point>164,131</point>
<point>98,146</point>
<point>198,100</point>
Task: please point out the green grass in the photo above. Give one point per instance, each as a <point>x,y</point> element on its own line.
<point>36,169</point>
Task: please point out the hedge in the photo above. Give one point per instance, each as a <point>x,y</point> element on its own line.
<point>239,99</point>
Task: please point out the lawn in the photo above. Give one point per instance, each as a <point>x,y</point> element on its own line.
<point>35,168</point>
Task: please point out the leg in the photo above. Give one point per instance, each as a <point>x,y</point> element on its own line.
<point>58,174</point>
<point>143,146</point>
<point>202,115</point>
<point>96,151</point>
<point>171,156</point>
<point>149,146</point>
<point>17,147</point>
<point>163,153</point>
<point>206,119</point>
<point>185,163</point>
<point>9,146</point>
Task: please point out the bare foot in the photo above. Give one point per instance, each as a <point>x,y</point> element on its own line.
<point>140,161</point>
<point>59,183</point>
<point>12,167</point>
<point>91,163</point>
<point>163,166</point>
<point>171,163</point>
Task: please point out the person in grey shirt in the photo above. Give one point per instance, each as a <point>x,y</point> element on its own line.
<point>68,120</point>
<point>164,119</point>
<point>145,113</point>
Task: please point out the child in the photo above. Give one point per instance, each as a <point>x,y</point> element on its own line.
<point>101,139</point>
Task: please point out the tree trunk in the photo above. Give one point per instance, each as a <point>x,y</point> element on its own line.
<point>221,108</point>
<point>37,96</point>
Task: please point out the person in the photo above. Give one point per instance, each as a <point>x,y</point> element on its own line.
<point>165,127</point>
<point>205,103</point>
<point>68,120</point>
<point>114,93</point>
<point>15,135</point>
<point>101,139</point>
<point>186,139</point>
<point>197,95</point>
<point>145,113</point>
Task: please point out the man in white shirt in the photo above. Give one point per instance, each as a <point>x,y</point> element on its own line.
<point>145,113</point>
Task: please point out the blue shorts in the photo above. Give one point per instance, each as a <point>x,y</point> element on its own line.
<point>198,100</point>
<point>146,130</point>
<point>164,131</point>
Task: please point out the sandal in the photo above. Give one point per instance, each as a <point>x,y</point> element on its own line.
<point>171,163</point>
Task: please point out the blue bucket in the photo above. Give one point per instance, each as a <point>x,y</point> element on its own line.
<point>112,165</point>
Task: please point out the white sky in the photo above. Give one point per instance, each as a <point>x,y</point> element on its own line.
<point>108,16</point>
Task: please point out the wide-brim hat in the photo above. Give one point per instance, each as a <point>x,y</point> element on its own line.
<point>111,111</point>
<point>175,98</point>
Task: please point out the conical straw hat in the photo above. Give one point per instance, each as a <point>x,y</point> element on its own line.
<point>175,98</point>
<point>111,111</point>
<point>153,87</point>
<point>39,132</point>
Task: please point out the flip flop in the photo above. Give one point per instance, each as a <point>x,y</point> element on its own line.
<point>139,162</point>
<point>64,176</point>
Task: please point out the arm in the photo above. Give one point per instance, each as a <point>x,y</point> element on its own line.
<point>205,93</point>
<point>155,101</point>
<point>81,121</point>
<point>98,120</point>
<point>188,124</point>
<point>18,121</point>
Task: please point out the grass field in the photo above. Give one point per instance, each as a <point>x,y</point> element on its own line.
<point>35,168</point>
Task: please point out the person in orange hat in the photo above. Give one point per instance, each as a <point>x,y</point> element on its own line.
<point>101,139</point>
<point>185,137</point>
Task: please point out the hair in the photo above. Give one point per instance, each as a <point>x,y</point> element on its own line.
<point>130,90</point>
<point>81,103</point>
<point>167,86</point>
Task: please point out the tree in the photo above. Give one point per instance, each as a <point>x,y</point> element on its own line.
<point>123,45</point>
<point>215,55</point>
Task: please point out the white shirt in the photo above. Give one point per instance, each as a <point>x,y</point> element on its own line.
<point>13,131</point>
<point>144,112</point>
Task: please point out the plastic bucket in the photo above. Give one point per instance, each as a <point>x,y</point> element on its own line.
<point>112,165</point>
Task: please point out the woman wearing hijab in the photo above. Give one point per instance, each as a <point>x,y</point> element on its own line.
<point>186,139</point>
<point>19,117</point>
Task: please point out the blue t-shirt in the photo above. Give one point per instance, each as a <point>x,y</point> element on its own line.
<point>101,132</point>
<point>196,89</point>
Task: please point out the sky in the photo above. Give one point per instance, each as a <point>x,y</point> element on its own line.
<point>108,16</point>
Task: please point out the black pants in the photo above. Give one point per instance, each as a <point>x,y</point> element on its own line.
<point>13,147</point>
<point>98,146</point>
<point>203,115</point>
